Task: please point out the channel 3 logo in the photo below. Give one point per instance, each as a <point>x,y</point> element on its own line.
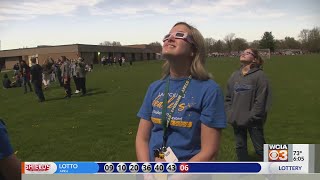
<point>278,152</point>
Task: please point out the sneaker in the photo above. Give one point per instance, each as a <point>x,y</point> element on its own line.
<point>77,92</point>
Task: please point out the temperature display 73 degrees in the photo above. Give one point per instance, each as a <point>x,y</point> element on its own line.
<point>298,156</point>
<point>300,153</point>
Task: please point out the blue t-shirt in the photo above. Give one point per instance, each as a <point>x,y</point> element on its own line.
<point>5,147</point>
<point>203,102</point>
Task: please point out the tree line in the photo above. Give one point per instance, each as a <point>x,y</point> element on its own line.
<point>309,40</point>
<point>110,43</point>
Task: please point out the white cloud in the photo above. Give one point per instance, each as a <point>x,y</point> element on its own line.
<point>135,16</point>
<point>259,14</point>
<point>201,10</point>
<point>174,7</point>
<point>25,10</point>
<point>313,17</point>
<point>11,17</point>
<point>115,11</point>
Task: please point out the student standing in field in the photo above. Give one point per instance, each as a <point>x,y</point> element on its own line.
<point>81,76</point>
<point>25,73</point>
<point>246,103</point>
<point>47,70</point>
<point>66,76</point>
<point>10,166</point>
<point>184,111</point>
<point>57,70</point>
<point>16,68</point>
<point>36,79</point>
<point>74,65</point>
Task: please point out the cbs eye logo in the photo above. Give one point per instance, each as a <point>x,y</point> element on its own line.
<point>278,155</point>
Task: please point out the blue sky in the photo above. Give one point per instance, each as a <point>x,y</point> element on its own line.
<point>56,22</point>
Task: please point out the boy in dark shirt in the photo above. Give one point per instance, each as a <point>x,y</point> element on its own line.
<point>6,82</point>
<point>36,79</point>
<point>25,72</point>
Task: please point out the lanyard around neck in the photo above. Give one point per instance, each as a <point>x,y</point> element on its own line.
<point>166,119</point>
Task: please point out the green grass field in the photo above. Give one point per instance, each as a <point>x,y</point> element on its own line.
<point>102,126</point>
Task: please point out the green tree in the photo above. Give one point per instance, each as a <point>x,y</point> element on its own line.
<point>109,43</point>
<point>304,38</point>
<point>310,39</point>
<point>106,43</point>
<point>267,41</point>
<point>155,46</point>
<point>209,42</point>
<point>291,43</point>
<point>255,44</point>
<point>239,44</point>
<point>229,39</point>
<point>280,44</point>
<point>219,46</point>
<point>314,40</point>
<point>116,43</point>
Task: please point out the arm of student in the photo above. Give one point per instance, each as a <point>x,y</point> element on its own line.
<point>228,98</point>
<point>260,103</point>
<point>10,168</point>
<point>210,141</point>
<point>142,140</point>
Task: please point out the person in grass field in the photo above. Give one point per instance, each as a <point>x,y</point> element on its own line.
<point>247,102</point>
<point>81,76</point>
<point>57,70</point>
<point>25,73</point>
<point>47,70</point>
<point>73,66</point>
<point>36,79</point>
<point>6,82</point>
<point>66,76</point>
<point>10,165</point>
<point>183,112</point>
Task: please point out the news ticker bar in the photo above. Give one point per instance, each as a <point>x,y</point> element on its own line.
<point>153,167</point>
<point>278,158</point>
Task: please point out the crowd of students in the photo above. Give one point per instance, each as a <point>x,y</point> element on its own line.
<point>61,71</point>
<point>114,60</point>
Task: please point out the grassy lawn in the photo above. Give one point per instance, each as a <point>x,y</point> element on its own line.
<point>102,125</point>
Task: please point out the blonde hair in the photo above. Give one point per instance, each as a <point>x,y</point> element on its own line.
<point>197,68</point>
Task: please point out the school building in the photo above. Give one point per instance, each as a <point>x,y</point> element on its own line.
<point>91,54</point>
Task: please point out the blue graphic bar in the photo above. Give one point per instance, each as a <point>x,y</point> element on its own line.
<point>191,168</point>
<point>76,167</point>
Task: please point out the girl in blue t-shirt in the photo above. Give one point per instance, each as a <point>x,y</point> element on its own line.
<point>183,112</point>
